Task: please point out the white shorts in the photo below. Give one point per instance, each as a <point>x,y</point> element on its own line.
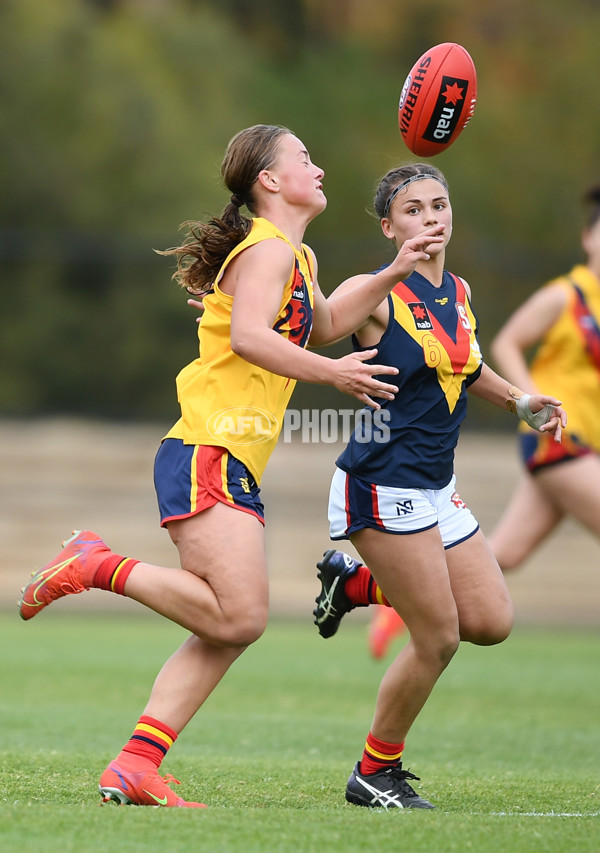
<point>355,504</point>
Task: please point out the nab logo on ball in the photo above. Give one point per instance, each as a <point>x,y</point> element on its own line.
<point>242,425</point>
<point>447,110</point>
<point>438,99</point>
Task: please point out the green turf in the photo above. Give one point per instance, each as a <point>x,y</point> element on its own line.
<point>508,746</point>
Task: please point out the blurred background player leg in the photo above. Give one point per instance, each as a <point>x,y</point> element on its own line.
<point>385,625</point>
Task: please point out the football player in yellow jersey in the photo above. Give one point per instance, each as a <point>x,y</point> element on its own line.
<point>262,305</point>
<point>563,320</point>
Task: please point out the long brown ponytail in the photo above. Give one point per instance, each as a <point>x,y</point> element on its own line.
<point>201,255</point>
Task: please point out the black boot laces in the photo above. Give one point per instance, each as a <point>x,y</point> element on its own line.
<point>400,776</point>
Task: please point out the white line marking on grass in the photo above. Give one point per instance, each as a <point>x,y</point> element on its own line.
<point>545,814</point>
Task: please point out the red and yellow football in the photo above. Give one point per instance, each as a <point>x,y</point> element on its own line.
<point>438,99</point>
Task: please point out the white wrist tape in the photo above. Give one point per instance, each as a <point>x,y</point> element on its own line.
<point>537,419</point>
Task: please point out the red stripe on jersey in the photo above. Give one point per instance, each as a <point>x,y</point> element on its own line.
<point>458,352</point>
<point>587,327</point>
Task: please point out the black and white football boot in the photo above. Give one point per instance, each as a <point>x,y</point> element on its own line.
<point>332,602</point>
<point>387,789</point>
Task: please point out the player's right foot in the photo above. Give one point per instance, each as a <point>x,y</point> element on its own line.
<point>385,625</point>
<point>69,573</point>
<point>387,789</point>
<point>140,788</point>
<point>332,602</point>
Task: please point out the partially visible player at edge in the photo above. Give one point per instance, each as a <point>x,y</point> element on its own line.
<point>263,304</point>
<point>563,320</point>
<point>396,499</point>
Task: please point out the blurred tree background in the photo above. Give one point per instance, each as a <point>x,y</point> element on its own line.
<point>115,116</point>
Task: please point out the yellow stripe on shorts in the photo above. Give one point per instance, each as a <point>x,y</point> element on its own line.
<point>224,484</point>
<point>194,480</point>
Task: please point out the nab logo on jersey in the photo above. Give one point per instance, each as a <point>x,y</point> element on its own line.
<point>299,291</point>
<point>420,316</point>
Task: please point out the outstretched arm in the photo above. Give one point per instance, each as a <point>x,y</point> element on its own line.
<point>346,310</point>
<point>257,278</point>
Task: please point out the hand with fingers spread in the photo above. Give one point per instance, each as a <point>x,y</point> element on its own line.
<point>543,414</point>
<point>415,249</point>
<point>357,378</point>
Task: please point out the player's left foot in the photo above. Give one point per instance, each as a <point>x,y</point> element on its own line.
<point>385,625</point>
<point>387,789</point>
<point>140,788</point>
<point>70,572</point>
<point>332,602</point>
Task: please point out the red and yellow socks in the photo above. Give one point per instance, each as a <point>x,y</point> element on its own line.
<point>113,572</point>
<point>148,745</point>
<point>362,589</point>
<point>379,755</point>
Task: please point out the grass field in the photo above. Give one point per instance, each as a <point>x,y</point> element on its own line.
<point>507,747</point>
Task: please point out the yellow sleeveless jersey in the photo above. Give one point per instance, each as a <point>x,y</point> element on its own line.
<point>225,400</point>
<point>567,362</point>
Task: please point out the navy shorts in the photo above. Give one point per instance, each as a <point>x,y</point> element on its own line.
<point>189,478</point>
<point>539,450</point>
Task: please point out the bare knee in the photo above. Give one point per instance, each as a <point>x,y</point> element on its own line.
<point>439,648</point>
<point>447,648</point>
<point>241,630</point>
<point>491,630</point>
<point>240,634</point>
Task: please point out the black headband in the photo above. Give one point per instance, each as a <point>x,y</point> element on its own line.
<point>421,176</point>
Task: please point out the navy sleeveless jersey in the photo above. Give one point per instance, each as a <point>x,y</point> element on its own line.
<point>431,338</point>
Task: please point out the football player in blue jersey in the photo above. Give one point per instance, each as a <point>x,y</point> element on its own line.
<point>393,493</point>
